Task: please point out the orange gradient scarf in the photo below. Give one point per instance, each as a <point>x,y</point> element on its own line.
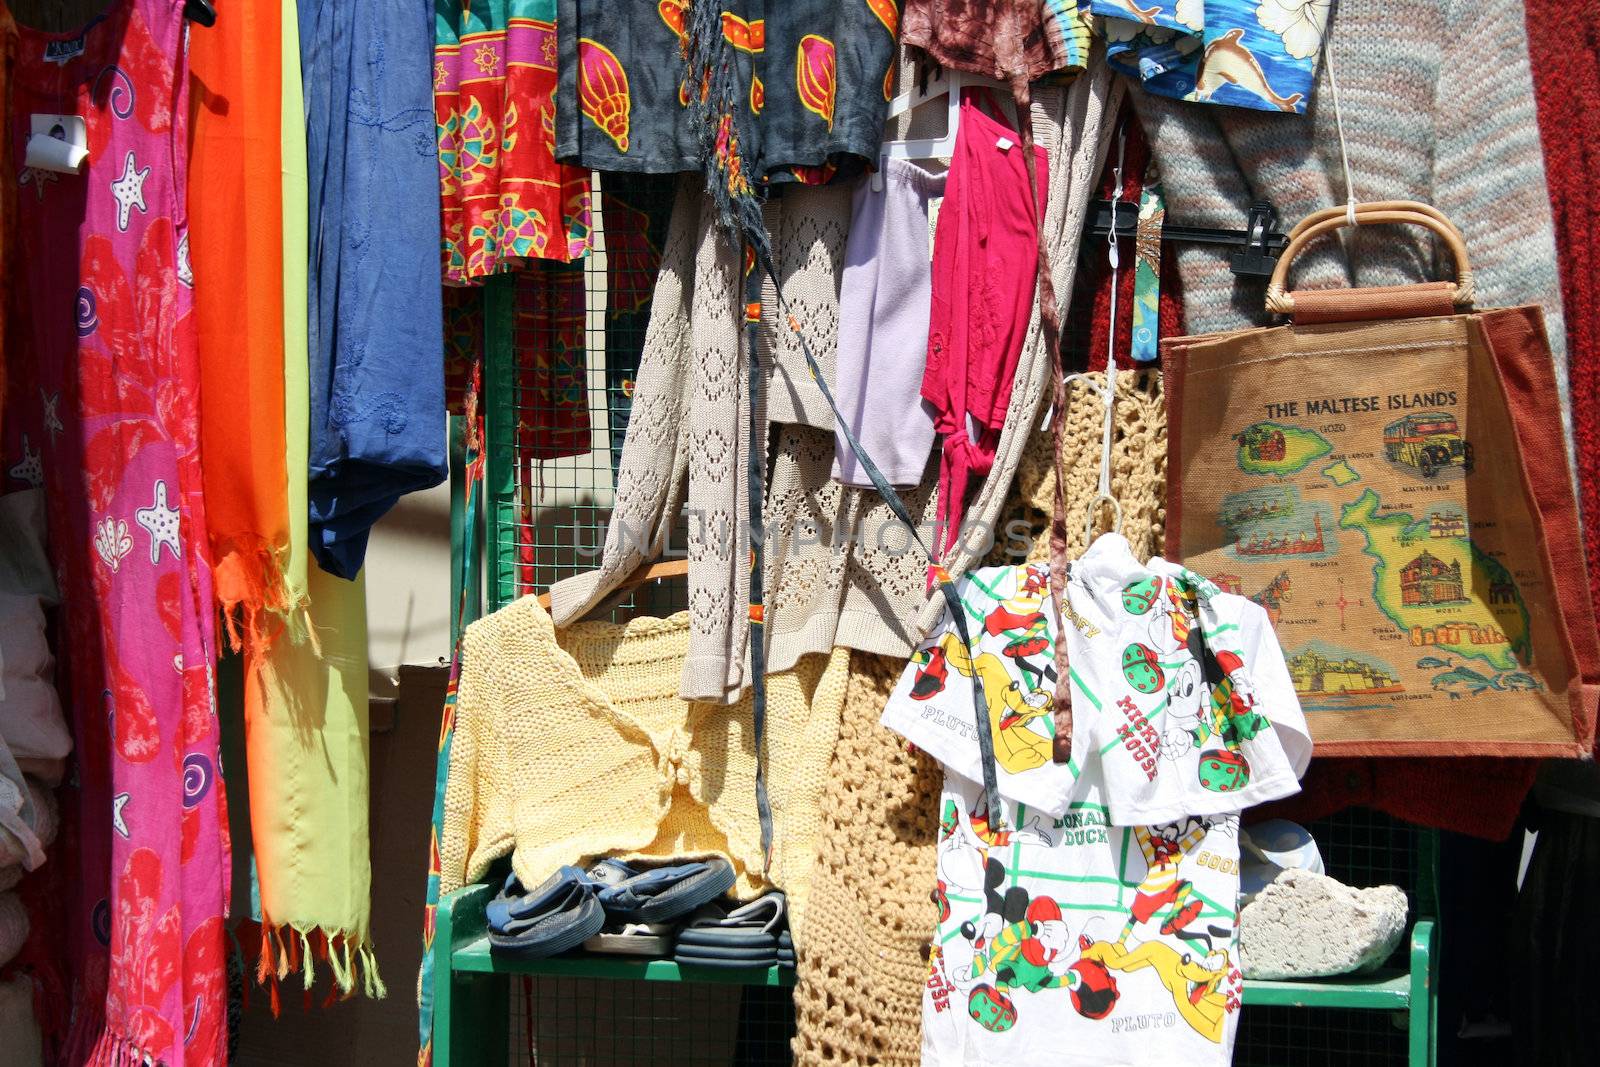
<point>236,252</point>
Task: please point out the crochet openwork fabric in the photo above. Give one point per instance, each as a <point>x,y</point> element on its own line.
<point>859,994</point>
<point>1138,472</point>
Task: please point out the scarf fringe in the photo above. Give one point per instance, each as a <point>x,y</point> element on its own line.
<point>253,590</point>
<point>350,959</point>
<point>114,1050</point>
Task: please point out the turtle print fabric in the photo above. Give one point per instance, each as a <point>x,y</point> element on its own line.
<point>506,199</point>
<point>809,83</point>
<point>103,413</point>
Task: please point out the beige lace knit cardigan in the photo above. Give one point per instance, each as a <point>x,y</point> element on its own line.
<point>837,572</point>
<point>573,745</point>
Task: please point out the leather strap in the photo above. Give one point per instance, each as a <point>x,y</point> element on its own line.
<point>1377,302</point>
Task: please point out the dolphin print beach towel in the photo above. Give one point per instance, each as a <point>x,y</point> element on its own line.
<point>1245,53</point>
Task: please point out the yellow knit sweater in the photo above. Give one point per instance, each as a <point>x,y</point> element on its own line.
<point>574,745</point>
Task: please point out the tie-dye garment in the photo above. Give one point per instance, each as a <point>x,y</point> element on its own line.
<point>506,199</point>
<point>103,412</point>
<point>811,79</point>
<point>975,36</point>
<point>1258,54</point>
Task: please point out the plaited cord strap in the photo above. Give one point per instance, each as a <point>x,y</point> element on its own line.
<point>756,479</point>
<point>947,587</point>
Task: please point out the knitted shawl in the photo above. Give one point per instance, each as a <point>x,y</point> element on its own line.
<point>830,578</point>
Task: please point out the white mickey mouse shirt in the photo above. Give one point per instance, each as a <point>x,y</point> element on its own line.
<point>1096,920</point>
<point>1180,692</point>
<point>1068,941</point>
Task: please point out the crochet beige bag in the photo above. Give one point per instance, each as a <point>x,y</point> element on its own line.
<point>859,992</point>
<point>1138,474</point>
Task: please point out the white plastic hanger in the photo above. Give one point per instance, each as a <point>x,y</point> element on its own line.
<point>940,82</point>
<point>1108,391</point>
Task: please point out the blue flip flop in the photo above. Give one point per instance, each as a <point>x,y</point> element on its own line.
<point>718,964</point>
<point>559,915</point>
<point>753,935</point>
<point>660,894</point>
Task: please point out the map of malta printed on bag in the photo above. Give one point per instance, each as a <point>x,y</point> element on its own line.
<point>1395,494</point>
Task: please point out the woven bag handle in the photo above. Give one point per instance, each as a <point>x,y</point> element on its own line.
<point>1309,229</point>
<point>1377,205</point>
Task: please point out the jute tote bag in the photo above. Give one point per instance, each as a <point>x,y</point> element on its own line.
<point>1386,475</point>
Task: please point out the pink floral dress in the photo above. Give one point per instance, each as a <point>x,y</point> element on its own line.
<point>101,409</point>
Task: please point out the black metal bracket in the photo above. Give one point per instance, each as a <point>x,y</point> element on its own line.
<point>1258,246</point>
<point>201,12</point>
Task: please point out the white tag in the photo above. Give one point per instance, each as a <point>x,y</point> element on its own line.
<point>1004,144</point>
<point>934,204</point>
<point>59,143</point>
<point>1049,414</point>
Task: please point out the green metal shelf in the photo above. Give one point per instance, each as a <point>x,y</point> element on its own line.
<point>476,957</point>
<point>1389,989</point>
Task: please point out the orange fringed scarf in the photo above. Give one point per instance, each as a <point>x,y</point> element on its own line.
<point>236,251</point>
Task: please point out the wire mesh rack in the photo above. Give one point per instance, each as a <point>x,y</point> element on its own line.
<point>562,353</point>
<point>1361,848</point>
<point>562,346</point>
<point>648,1024</point>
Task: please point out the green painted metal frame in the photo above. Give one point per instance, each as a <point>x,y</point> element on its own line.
<point>1412,990</point>
<point>465,570</point>
<point>470,991</point>
<point>500,435</point>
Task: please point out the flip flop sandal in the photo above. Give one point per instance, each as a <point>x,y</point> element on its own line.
<point>557,917</point>
<point>633,939</point>
<point>768,953</point>
<point>513,902</point>
<point>756,963</point>
<point>764,915</point>
<point>712,938</point>
<point>717,964</point>
<point>661,894</point>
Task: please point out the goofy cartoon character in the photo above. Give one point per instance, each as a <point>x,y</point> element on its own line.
<point>1164,849</point>
<point>1020,619</point>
